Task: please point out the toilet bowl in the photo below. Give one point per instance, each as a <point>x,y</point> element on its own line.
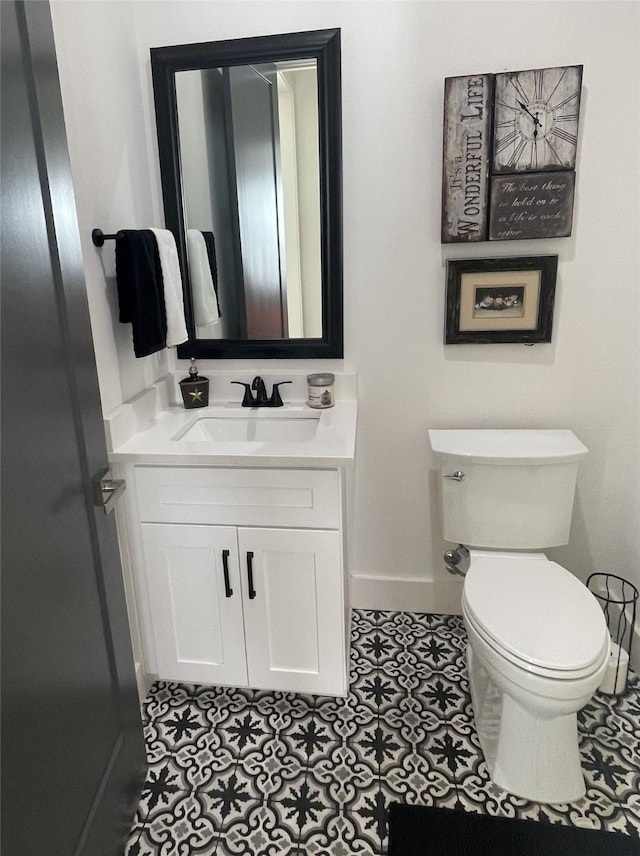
<point>538,640</point>
<point>538,648</point>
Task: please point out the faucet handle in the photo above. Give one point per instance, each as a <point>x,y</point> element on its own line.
<point>248,399</point>
<point>276,400</point>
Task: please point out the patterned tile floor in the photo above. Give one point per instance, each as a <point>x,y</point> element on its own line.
<point>238,771</point>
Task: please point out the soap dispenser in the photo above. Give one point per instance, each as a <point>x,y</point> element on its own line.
<point>194,389</point>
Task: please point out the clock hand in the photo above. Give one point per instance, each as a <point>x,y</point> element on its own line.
<point>536,121</point>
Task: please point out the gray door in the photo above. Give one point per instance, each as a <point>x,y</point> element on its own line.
<point>72,746</point>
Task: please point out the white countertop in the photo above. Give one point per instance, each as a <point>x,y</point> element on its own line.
<point>332,446</point>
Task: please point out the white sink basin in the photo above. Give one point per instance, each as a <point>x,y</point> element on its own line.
<point>227,435</point>
<point>263,427</point>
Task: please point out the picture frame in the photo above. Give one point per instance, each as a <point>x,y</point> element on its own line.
<point>499,300</point>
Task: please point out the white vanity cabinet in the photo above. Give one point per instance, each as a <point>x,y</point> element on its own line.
<point>242,571</point>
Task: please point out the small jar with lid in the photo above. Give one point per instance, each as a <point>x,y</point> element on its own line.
<point>320,388</point>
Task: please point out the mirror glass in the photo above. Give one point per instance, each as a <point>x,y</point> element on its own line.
<point>249,141</point>
<point>259,124</point>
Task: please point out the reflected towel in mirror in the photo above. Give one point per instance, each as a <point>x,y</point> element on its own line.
<point>203,291</point>
<point>210,243</point>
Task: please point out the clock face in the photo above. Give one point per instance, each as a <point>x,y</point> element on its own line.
<point>536,119</point>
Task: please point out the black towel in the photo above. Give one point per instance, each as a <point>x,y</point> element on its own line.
<point>141,289</point>
<point>210,243</point>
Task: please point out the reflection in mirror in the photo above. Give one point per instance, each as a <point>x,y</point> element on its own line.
<point>258,123</point>
<point>249,139</point>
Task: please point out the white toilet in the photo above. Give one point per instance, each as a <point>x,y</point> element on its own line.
<point>538,640</point>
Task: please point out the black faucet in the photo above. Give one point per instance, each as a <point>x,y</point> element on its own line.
<point>261,399</point>
<point>259,388</point>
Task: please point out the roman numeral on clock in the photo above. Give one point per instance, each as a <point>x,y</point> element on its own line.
<point>514,81</point>
<point>560,104</point>
<point>564,135</point>
<point>515,157</point>
<point>538,83</point>
<point>505,142</point>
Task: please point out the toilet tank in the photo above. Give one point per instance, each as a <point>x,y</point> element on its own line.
<point>512,489</point>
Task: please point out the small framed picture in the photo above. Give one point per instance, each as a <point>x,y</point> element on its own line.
<point>500,300</point>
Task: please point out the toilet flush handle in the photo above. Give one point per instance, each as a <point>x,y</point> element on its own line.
<point>457,476</point>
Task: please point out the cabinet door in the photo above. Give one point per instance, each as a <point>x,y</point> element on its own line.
<point>294,609</point>
<point>196,602</point>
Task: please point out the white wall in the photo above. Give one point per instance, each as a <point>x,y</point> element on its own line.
<point>100,77</point>
<point>395,58</point>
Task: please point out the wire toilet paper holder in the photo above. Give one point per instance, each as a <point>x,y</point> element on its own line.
<point>618,599</point>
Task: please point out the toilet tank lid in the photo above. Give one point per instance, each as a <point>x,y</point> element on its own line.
<point>518,446</point>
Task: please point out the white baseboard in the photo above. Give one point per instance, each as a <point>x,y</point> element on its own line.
<point>144,682</point>
<point>634,660</point>
<point>635,650</point>
<point>412,594</point>
<point>406,594</point>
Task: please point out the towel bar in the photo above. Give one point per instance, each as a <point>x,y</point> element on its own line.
<point>98,237</point>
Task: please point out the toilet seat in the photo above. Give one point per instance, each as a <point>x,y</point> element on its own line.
<point>565,676</point>
<point>537,615</point>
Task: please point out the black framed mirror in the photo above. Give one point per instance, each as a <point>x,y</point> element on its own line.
<point>250,144</point>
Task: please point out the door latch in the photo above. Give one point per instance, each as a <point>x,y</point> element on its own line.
<point>108,490</point>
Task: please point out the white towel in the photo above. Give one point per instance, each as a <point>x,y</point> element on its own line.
<point>205,304</point>
<point>173,302</point>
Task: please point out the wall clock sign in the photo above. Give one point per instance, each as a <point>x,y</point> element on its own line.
<point>536,119</point>
<point>504,136</point>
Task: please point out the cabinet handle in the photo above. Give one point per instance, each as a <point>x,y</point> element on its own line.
<point>252,591</point>
<point>225,565</point>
